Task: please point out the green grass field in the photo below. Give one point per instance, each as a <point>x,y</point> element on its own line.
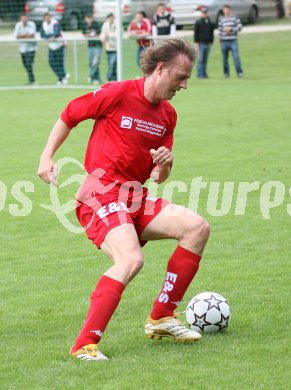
<point>228,131</point>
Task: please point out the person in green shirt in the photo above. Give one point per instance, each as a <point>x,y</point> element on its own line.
<point>91,29</point>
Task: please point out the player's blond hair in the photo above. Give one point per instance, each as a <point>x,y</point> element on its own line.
<point>165,50</point>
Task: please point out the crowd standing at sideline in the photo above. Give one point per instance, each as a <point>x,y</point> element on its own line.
<point>141,28</point>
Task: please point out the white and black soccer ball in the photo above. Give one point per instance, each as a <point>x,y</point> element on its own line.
<point>208,312</point>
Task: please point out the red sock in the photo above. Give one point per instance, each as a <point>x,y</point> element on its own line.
<point>104,300</point>
<point>181,269</point>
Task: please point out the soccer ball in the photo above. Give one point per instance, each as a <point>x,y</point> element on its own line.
<point>208,312</point>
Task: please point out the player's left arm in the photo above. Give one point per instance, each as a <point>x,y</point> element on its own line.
<point>163,158</point>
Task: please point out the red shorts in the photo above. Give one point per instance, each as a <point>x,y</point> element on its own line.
<point>108,211</point>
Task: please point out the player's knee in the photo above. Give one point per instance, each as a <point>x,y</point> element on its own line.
<point>204,230</point>
<point>199,229</point>
<point>135,263</point>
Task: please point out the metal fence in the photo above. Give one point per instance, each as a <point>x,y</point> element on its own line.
<point>12,72</point>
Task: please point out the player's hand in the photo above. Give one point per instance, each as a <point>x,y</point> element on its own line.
<point>48,171</point>
<point>162,156</point>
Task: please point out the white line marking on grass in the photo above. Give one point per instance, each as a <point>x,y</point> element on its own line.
<point>37,87</point>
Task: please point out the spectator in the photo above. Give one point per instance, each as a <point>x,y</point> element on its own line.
<point>51,30</point>
<point>140,28</point>
<point>203,38</point>
<point>147,20</point>
<point>109,38</point>
<point>26,29</point>
<point>228,27</point>
<point>91,29</point>
<point>163,22</point>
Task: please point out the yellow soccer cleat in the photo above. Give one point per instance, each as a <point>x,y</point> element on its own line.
<point>170,327</point>
<point>89,352</point>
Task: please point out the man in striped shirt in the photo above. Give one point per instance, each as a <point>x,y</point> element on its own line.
<point>228,27</point>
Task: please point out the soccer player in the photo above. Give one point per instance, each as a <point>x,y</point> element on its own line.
<point>132,141</point>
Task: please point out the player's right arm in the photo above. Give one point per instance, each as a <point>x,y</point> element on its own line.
<point>89,106</point>
<point>47,170</point>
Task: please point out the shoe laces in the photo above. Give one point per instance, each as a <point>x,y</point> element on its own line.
<point>177,326</point>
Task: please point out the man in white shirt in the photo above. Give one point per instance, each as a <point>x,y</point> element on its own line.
<point>26,29</point>
<point>51,31</point>
<point>109,38</point>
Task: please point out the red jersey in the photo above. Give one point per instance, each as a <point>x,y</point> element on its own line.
<point>126,127</point>
<point>141,29</point>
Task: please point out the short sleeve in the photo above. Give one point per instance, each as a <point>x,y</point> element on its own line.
<point>92,105</point>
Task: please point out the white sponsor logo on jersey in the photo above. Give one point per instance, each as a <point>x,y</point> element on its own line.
<point>126,122</point>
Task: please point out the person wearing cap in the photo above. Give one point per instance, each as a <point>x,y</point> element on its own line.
<point>203,38</point>
<point>109,38</point>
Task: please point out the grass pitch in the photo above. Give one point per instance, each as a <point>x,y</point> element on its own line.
<point>228,131</point>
